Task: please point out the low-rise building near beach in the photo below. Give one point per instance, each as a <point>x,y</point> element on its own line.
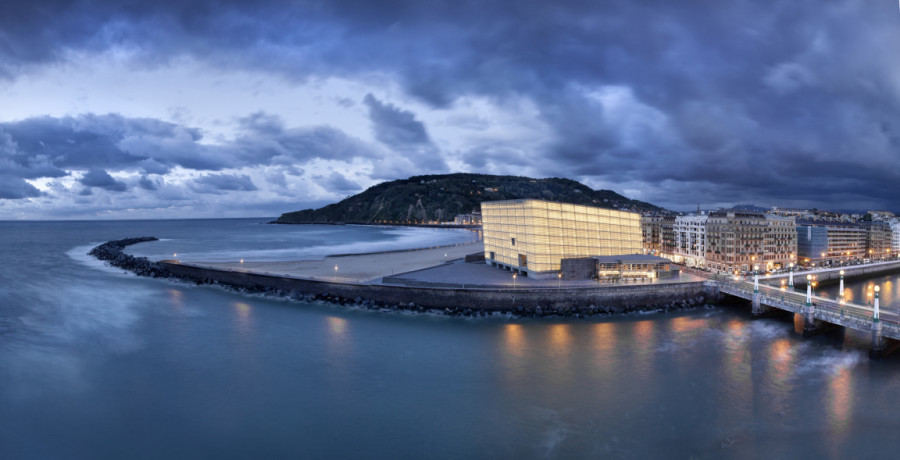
<point>617,268</point>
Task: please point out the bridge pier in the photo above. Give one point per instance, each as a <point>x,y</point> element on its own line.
<point>809,322</point>
<point>757,310</point>
<point>877,350</point>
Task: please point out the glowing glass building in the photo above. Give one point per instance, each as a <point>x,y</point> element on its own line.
<point>531,237</point>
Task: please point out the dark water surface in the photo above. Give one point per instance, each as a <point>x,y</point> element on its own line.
<point>96,363</point>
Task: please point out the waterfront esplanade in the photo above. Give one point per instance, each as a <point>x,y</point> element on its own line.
<point>531,237</point>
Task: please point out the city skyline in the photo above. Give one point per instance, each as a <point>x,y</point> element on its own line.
<point>226,109</point>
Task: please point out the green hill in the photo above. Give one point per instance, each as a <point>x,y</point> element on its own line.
<point>441,197</point>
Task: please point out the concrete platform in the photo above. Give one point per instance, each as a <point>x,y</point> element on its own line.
<point>461,274</point>
<point>354,268</point>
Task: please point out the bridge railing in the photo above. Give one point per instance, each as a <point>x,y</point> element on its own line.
<point>795,300</point>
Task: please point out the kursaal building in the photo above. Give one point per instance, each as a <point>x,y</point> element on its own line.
<point>531,237</point>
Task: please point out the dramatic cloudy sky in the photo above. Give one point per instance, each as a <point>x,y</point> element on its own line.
<point>175,108</point>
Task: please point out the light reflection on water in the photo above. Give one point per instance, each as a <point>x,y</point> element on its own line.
<point>243,314</point>
<point>799,323</point>
<point>313,381</point>
<point>840,390</point>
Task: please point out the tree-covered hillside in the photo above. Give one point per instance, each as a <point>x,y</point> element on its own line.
<point>442,197</point>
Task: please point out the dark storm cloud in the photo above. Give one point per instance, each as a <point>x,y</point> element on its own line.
<point>336,182</point>
<point>101,179</point>
<point>147,183</point>
<point>400,131</point>
<point>789,99</point>
<point>395,127</point>
<point>48,147</point>
<point>265,140</point>
<point>45,146</point>
<point>12,187</point>
<point>219,183</point>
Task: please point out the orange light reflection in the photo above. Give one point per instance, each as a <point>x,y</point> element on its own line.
<point>514,341</point>
<point>244,317</point>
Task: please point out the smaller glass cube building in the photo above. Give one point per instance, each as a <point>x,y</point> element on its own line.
<point>531,237</point>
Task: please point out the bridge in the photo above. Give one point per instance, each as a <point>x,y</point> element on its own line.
<point>816,310</point>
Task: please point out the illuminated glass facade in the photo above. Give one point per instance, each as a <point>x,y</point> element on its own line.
<point>532,236</point>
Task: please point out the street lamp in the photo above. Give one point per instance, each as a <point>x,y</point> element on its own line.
<point>335,271</point>
<point>755,279</point>
<point>841,290</point>
<point>791,276</point>
<point>514,280</point>
<point>808,291</point>
<point>558,280</point>
<point>877,288</point>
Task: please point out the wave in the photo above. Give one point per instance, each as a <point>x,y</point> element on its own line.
<point>80,255</point>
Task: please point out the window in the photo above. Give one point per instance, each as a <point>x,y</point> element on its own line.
<point>513,241</point>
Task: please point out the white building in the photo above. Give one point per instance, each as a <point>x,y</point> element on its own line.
<point>690,240</point>
<point>895,237</point>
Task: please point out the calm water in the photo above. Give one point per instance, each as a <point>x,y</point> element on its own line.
<point>96,363</point>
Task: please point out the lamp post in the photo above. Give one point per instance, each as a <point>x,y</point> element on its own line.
<point>877,288</point>
<point>335,271</point>
<point>514,280</point>
<point>558,280</point>
<point>756,279</point>
<point>808,291</point>
<point>791,276</point>
<point>841,291</point>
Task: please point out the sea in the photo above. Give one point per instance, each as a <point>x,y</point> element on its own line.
<point>97,363</point>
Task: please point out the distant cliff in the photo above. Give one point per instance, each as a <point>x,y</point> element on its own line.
<point>441,197</point>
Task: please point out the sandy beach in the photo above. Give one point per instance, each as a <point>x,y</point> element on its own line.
<point>363,267</point>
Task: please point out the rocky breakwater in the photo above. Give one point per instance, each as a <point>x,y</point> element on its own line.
<point>112,252</point>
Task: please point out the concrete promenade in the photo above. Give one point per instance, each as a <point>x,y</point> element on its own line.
<point>361,268</point>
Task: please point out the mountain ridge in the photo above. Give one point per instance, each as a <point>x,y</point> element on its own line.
<point>440,197</point>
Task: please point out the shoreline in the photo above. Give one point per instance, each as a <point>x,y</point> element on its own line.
<point>383,224</point>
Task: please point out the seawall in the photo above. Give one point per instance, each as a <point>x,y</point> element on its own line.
<point>606,299</point>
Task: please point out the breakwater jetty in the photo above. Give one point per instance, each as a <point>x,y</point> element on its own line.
<point>111,252</point>
<point>581,301</point>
